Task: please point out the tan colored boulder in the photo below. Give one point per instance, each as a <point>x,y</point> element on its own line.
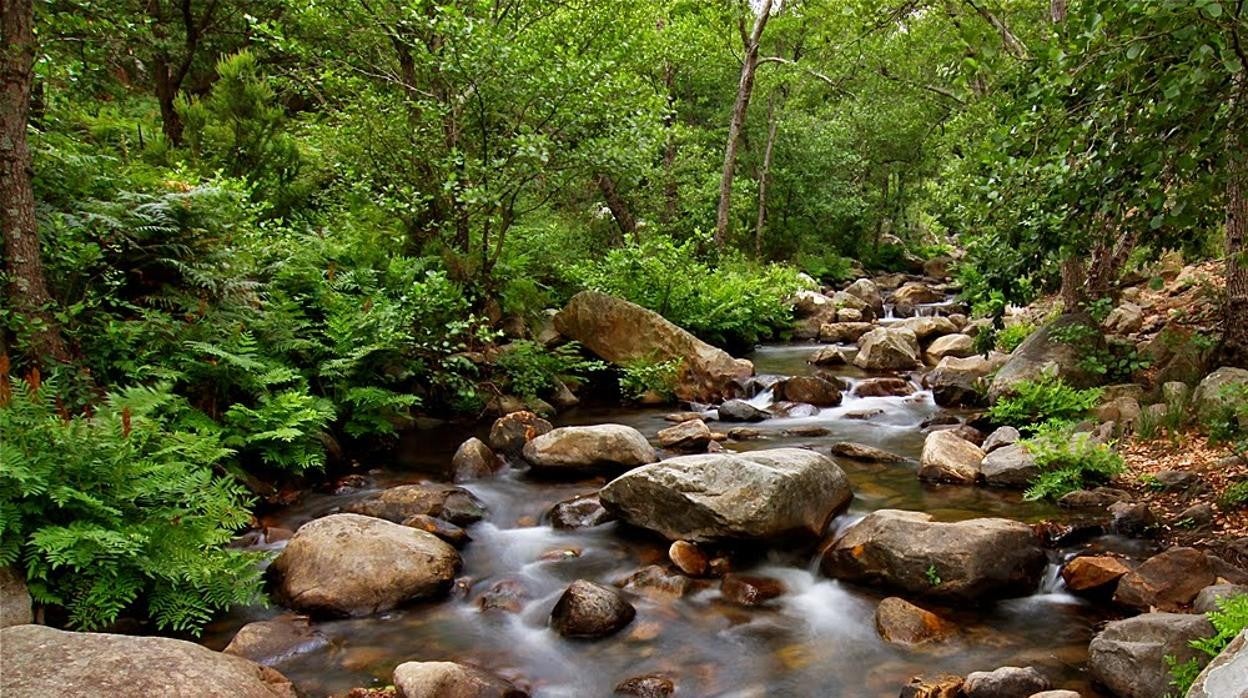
<point>512,431</point>
<point>598,447</point>
<point>888,348</point>
<point>1167,581</point>
<point>691,436</point>
<point>900,622</point>
<point>811,390</point>
<point>844,332</point>
<point>959,345</point>
<point>397,504</point>
<point>451,680</point>
<point>948,457</point>
<point>474,460</point>
<point>1093,572</point>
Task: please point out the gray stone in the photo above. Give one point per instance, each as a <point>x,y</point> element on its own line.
<point>1044,352</point>
<point>863,452</point>
<point>1129,656</point>
<point>1005,682</point>
<point>1227,675</point>
<point>741,411</point>
<point>15,602</point>
<point>843,332</point>
<point>1125,319</point>
<point>1212,396</point>
<point>270,641</point>
<point>397,504</point>
<point>1208,598</point>
<point>1009,466</point>
<point>961,382</point>
<point>1003,436</point>
<point>869,293</point>
<point>450,680</point>
<point>473,460</point>
<point>610,447</point>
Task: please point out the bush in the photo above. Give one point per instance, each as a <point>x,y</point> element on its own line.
<point>659,377</point>
<point>1228,424</point>
<point>1229,620</point>
<point>1011,336</point>
<point>1068,461</point>
<point>1046,399</point>
<point>120,510</point>
<point>532,371</point>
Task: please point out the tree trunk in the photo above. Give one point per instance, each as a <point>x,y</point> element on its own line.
<point>166,96</point>
<point>671,191</point>
<point>765,176</point>
<point>619,208</point>
<point>1057,11</point>
<point>28,289</point>
<point>1234,348</point>
<point>739,108</point>
<point>1074,275</point>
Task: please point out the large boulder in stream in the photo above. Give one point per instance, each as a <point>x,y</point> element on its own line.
<point>451,680</point>
<point>1058,348</point>
<point>588,610</point>
<point>948,457</point>
<point>1132,657</point>
<point>961,382</point>
<point>625,333</point>
<point>969,560</point>
<point>888,348</point>
<point>39,662</point>
<point>352,565</point>
<point>755,495</point>
<point>398,504</point>
<point>811,390</point>
<point>612,447</point>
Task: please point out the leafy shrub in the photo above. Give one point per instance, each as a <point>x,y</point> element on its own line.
<point>1068,461</point>
<point>1011,336</point>
<point>829,267</point>
<point>120,508</point>
<point>659,377</point>
<point>1229,423</point>
<point>1229,620</point>
<point>1046,399</point>
<point>531,370</point>
<point>1236,495</point>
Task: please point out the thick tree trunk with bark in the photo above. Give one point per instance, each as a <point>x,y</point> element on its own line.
<point>620,210</point>
<point>28,289</point>
<point>764,176</point>
<point>1235,316</point>
<point>739,108</point>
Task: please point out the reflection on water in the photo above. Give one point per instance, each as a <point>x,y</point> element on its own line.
<point>818,639</point>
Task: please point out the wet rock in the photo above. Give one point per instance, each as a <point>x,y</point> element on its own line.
<point>958,345</point>
<point>887,348</point>
<point>688,558</point>
<point>1208,598</point>
<point>939,420</point>
<point>512,431</point>
<point>1129,657</point>
<point>1098,498</point>
<point>1009,466</point>
<point>863,452</point>
<point>1005,682</point>
<point>916,293</point>
<point>947,457</point>
<point>474,460</point>
<point>659,580</point>
<point>809,431</point>
<point>1003,436</point>
<point>352,565</point>
<point>506,595</point>
<point>445,530</point>
<point>39,661</point>
<point>829,356</point>
<point>1132,519</point>
<point>623,333</point>
<point>811,390</point>
<point>451,680</point>
<point>397,504</point>
<point>863,414</point>
<point>960,382</point>
<point>1168,581</point>
<point>581,511</point>
<point>270,641</point>
<point>1045,352</point>
<point>844,332</point>
<point>900,622</point>
<point>15,602</point>
<point>968,560</point>
<point>869,293</point>
<point>849,315</point>
<point>691,436</point>
<point>741,411</point>
<point>793,409</point>
<point>1227,674</point>
<point>750,590</point>
<point>1093,573</point>
<point>678,417</point>
<point>745,434</point>
<point>588,610</point>
<point>939,687</point>
<point>884,387</point>
<point>610,447</point>
<point>755,495</point>
<point>930,327</point>
<point>648,686</point>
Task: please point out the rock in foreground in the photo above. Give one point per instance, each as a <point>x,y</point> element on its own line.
<point>600,447</point>
<point>755,495</point>
<point>451,680</point>
<point>1129,657</point>
<point>39,662</point>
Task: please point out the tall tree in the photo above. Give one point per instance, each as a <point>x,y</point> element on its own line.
<point>27,288</point>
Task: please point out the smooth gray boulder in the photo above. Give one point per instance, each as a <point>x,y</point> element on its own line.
<point>1227,675</point>
<point>1005,682</point>
<point>1129,657</point>
<point>741,411</point>
<point>610,447</point>
<point>1045,351</point>
<point>1212,396</point>
<point>40,662</point>
<point>956,382</point>
<point>397,504</point>
<point>1002,436</point>
<point>754,495</point>
<point>1009,466</point>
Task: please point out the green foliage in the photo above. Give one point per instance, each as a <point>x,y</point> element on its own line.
<point>830,268</point>
<point>933,576</point>
<point>1033,403</point>
<point>1013,335</point>
<point>1228,423</point>
<point>120,509</point>
<point>1229,619</point>
<point>1236,495</point>
<point>1068,461</point>
<point>658,377</point>
<point>531,370</point>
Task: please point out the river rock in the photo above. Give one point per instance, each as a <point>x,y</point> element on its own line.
<point>1168,581</point>
<point>600,447</point>
<point>829,356</point>
<point>948,457</point>
<point>691,436</point>
<point>887,348</point>
<point>741,411</point>
<point>445,530</point>
<point>843,332</point>
<point>270,641</point>
<point>1214,392</point>
<point>1003,436</point>
<point>1227,675</point>
<point>623,333</point>
<point>755,495</point>
<point>959,345</point>
<point>1009,466</point>
<point>850,315</point>
<point>1093,573</point>
<point>588,610</point>
<point>1129,657</point>
<point>967,560</point>
<point>750,590</point>
<point>1097,498</point>
<point>1209,597</point>
<point>866,290</point>
<point>1132,518</point>
<point>930,327</point>
<point>916,293</point>
<point>1005,682</point>
<point>900,622</point>
<point>512,431</point>
<point>352,565</point>
<point>15,602</point>
<point>40,662</point>
<point>581,511</point>
<point>648,686</point>
<point>960,382</point>
<point>944,686</point>
<point>863,452</point>
<point>1057,693</point>
<point>451,680</point>
<point>397,504</point>
<point>474,460</point>
<point>657,579</point>
<point>811,390</point>
<point>888,386</point>
<point>1043,352</point>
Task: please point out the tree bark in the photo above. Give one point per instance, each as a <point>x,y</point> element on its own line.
<point>764,177</point>
<point>620,210</point>
<point>28,288</point>
<point>744,88</point>
<point>1057,11</point>
<point>1234,348</point>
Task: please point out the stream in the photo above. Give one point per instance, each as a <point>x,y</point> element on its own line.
<point>817,639</point>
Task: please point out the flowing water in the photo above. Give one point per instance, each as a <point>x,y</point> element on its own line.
<point>818,639</point>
